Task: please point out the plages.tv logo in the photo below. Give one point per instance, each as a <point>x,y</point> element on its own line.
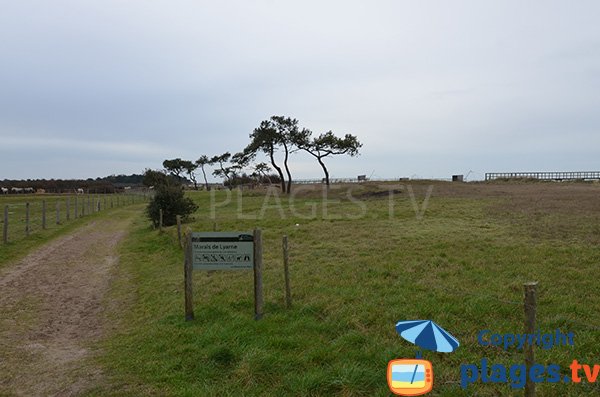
<point>414,377</point>
<point>408,377</point>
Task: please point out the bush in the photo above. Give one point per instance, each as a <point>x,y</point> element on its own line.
<point>172,202</point>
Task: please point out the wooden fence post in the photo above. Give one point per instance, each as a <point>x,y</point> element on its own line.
<point>111,201</point>
<point>160,219</point>
<point>76,212</point>
<point>5,225</point>
<point>187,277</point>
<point>530,311</point>
<point>286,272</point>
<point>57,212</point>
<point>258,292</point>
<point>43,214</point>
<point>178,217</point>
<point>68,205</point>
<point>27,228</point>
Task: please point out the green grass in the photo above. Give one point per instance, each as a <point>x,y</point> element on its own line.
<point>19,243</point>
<point>463,265</point>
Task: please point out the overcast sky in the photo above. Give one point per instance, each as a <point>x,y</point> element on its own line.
<point>431,88</point>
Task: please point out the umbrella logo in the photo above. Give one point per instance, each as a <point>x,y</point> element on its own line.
<point>427,335</point>
<point>414,377</point>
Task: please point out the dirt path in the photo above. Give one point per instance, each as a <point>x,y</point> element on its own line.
<point>51,311</point>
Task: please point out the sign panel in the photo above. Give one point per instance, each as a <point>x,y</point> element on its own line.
<point>223,251</point>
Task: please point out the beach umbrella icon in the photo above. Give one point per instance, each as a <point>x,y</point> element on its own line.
<point>427,335</point>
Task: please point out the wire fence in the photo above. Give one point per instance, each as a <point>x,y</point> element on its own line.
<point>25,215</point>
<point>510,299</point>
<point>503,300</point>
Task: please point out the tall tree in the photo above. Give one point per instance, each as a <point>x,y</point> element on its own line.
<point>189,167</point>
<point>154,178</point>
<point>265,139</point>
<point>175,167</point>
<point>202,161</point>
<point>238,162</point>
<point>272,134</point>
<point>326,144</point>
<point>223,171</point>
<point>287,128</point>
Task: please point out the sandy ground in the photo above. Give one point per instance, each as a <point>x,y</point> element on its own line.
<point>51,312</point>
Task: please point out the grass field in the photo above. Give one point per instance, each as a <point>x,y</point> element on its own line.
<point>19,242</point>
<point>357,268</point>
<point>361,259</point>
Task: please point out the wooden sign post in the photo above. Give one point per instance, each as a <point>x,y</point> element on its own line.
<point>223,251</point>
<point>187,277</point>
<point>258,292</point>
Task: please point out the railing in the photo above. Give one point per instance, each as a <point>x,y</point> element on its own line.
<point>553,176</point>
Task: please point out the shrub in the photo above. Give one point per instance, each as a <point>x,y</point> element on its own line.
<point>172,201</point>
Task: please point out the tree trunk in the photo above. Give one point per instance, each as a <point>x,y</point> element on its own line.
<point>278,170</point>
<point>205,180</point>
<point>226,176</point>
<point>324,170</point>
<point>193,178</point>
<point>287,169</point>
